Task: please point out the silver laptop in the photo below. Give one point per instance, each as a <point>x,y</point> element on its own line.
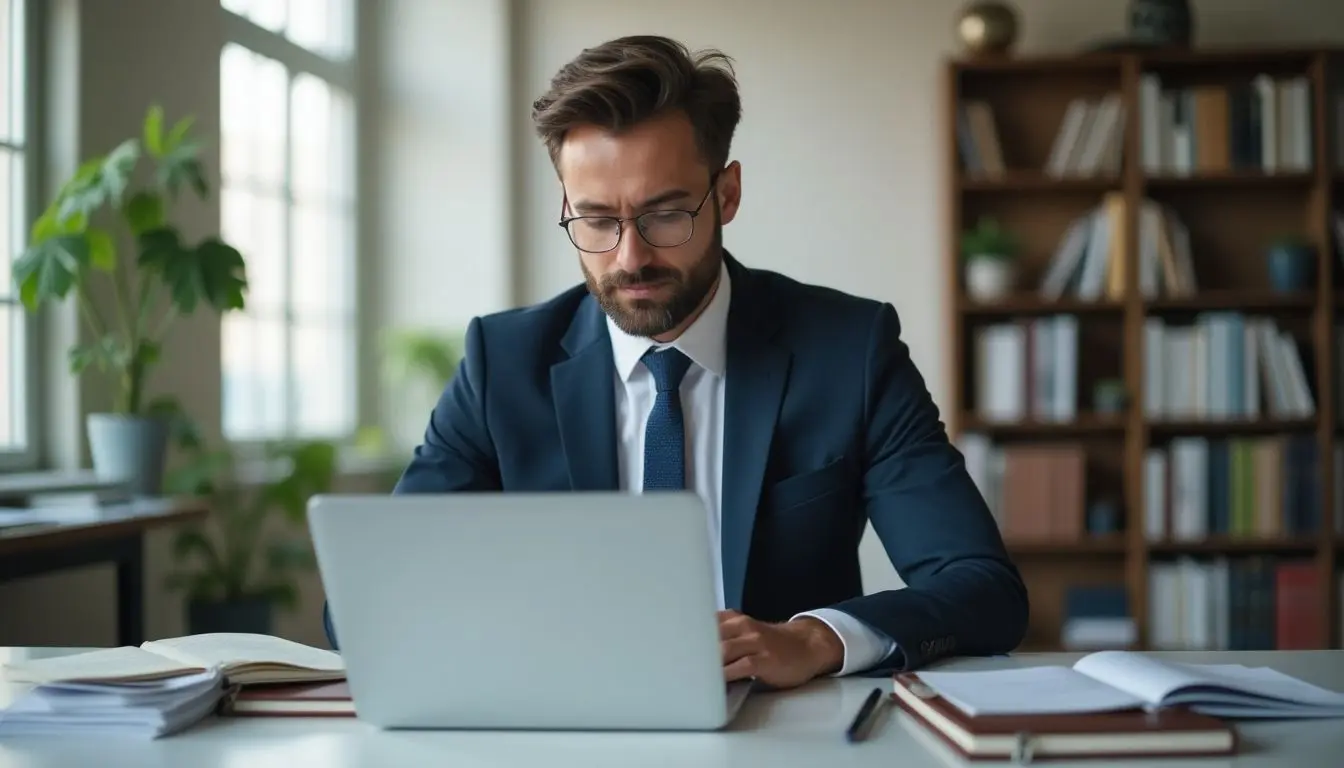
<point>585,611</point>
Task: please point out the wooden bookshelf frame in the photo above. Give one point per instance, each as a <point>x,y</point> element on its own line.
<point>1132,433</point>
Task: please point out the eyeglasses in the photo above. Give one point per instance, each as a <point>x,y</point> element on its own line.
<point>661,229</point>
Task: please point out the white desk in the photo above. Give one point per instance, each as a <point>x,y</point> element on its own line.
<point>804,727</point>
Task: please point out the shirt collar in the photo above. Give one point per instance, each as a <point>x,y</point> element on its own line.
<point>705,341</point>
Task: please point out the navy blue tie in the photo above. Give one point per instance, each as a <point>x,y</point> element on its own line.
<point>665,435</point>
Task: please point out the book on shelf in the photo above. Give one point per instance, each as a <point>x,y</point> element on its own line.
<point>1090,139</point>
<point>1097,617</point>
<point>1240,488</point>
<point>242,658</point>
<point>1036,492</point>
<point>1245,603</point>
<point>1089,259</point>
<point>1027,369</point>
<point>978,140</point>
<point>1262,124</point>
<point>1225,365</point>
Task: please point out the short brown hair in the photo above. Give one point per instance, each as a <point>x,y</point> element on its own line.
<point>631,79</point>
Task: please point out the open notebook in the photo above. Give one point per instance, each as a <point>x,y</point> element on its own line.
<point>243,659</point>
<point>1110,681</point>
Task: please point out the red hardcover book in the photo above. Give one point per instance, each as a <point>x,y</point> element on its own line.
<point>330,699</point>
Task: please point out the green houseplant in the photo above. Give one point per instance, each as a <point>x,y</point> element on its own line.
<point>990,253</point>
<point>107,236</point>
<point>239,566</point>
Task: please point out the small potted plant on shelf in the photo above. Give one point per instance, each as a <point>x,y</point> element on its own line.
<point>239,566</point>
<point>1291,262</point>
<point>76,249</point>
<point>990,253</point>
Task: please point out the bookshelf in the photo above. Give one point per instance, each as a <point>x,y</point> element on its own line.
<point>1144,191</point>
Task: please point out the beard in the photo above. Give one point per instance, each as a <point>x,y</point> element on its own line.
<point>654,317</point>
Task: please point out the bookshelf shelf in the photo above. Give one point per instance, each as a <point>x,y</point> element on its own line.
<point>1221,427</point>
<point>1146,190</point>
<point>1087,547</point>
<point>1250,300</point>
<point>1025,305</point>
<point>1230,180</point>
<point>1033,181</point>
<point>1080,425</point>
<point>1225,545</point>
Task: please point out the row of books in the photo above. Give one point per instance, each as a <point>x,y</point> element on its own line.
<point>1256,602</point>
<point>1224,365</point>
<point>1027,368</point>
<point>1264,124</point>
<point>1221,366</point>
<point>1262,487</point>
<point>1037,493</point>
<point>1089,261</point>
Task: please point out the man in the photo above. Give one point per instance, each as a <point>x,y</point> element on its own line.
<point>794,411</point>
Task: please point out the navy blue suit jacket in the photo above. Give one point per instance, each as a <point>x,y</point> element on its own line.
<point>828,426</point>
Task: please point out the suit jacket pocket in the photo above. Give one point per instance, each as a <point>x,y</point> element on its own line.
<point>802,488</point>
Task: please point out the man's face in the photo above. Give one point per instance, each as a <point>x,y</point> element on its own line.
<point>653,168</point>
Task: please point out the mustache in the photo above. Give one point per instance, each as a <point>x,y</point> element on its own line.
<point>644,275</point>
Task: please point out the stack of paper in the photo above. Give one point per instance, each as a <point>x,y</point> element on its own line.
<point>147,708</point>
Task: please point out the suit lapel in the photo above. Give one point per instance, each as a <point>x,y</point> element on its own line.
<point>757,371</point>
<point>585,402</point>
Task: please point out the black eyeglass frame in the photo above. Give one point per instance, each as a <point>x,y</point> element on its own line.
<point>620,222</point>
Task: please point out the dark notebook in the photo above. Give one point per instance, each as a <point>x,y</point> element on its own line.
<point>1120,733</point>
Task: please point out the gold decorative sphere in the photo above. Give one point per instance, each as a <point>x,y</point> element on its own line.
<point>987,27</point>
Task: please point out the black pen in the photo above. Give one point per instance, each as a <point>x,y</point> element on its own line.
<point>859,728</point>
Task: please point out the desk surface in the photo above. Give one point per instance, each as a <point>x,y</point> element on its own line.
<point>803,727</point>
<point>111,521</point>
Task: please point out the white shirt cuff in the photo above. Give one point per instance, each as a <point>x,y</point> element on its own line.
<point>864,646</point>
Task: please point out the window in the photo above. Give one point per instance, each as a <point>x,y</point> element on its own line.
<point>287,132</point>
<point>17,361</point>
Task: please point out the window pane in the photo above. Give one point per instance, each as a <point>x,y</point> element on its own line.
<point>13,199</point>
<point>10,369</point>
<point>269,14</point>
<point>323,262</point>
<point>255,225</point>
<point>8,59</point>
<point>322,141</point>
<point>252,119</point>
<point>253,352</point>
<point>324,371</point>
<point>11,188</point>
<point>324,26</point>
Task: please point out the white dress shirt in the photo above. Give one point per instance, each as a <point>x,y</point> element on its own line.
<point>705,343</point>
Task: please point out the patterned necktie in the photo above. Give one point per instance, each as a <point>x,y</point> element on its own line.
<point>665,435</point>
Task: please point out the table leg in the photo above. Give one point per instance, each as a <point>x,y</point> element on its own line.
<point>131,593</point>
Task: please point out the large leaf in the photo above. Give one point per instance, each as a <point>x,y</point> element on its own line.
<point>144,211</point>
<point>312,467</point>
<point>212,272</point>
<point>109,353</point>
<point>48,269</point>
<point>181,166</point>
<point>99,181</point>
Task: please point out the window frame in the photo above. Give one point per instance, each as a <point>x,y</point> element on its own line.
<point>30,402</point>
<point>343,74</point>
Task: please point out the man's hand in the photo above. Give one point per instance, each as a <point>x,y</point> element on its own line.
<point>780,655</point>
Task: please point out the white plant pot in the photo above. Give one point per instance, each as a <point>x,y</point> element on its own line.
<point>989,278</point>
